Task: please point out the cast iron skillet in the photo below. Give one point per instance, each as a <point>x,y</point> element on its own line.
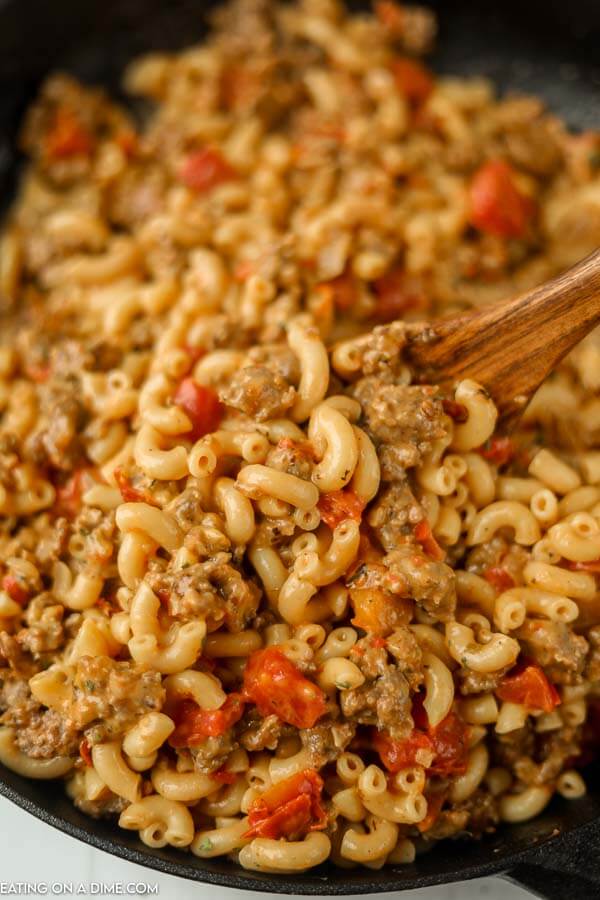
<point>548,47</point>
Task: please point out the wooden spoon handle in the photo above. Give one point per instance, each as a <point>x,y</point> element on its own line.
<point>511,347</point>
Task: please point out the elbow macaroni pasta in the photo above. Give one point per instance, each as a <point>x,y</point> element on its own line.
<point>264,593</point>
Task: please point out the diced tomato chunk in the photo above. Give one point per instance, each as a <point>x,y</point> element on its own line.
<point>201,405</point>
<point>40,373</point>
<point>67,136</point>
<point>291,808</point>
<point>499,578</point>
<point>446,745</point>
<point>449,738</point>
<point>498,450</point>
<point>291,819</point>
<point>85,751</point>
<point>274,684</point>
<point>224,776</point>
<point>305,448</point>
<point>68,497</point>
<point>129,493</point>
<point>415,750</point>
<point>379,643</point>
<point>413,79</point>
<point>458,412</point>
<point>425,538</point>
<point>205,169</point>
<point>244,269</point>
<point>498,207</point>
<point>337,506</point>
<point>397,293</point>
<point>343,290</point>
<point>194,724</point>
<point>527,684</point>
<point>14,589</point>
<point>592,566</point>
<point>450,745</point>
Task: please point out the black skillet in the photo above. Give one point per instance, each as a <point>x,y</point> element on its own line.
<point>549,48</point>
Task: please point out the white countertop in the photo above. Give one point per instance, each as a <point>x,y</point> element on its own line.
<point>33,852</point>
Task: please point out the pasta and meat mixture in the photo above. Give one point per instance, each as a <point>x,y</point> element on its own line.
<point>264,593</point>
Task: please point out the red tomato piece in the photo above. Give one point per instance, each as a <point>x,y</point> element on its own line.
<point>416,749</point>
<point>244,269</point>
<point>527,684</point>
<point>68,497</point>
<point>458,412</point>
<point>450,746</point>
<point>273,683</point>
<point>85,751</point>
<point>293,819</point>
<point>427,541</point>
<point>291,808</point>
<point>303,447</point>
<point>449,739</point>
<point>201,405</point>
<point>499,578</point>
<point>498,207</point>
<point>194,724</point>
<point>337,506</point>
<point>379,642</point>
<point>592,566</point>
<point>223,776</point>
<point>67,136</point>
<point>205,169</point>
<point>397,293</point>
<point>38,373</point>
<point>129,493</point>
<point>413,79</point>
<point>14,589</point>
<point>498,450</point>
<point>343,290</point>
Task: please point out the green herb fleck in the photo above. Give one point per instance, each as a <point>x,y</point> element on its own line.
<point>206,845</point>
<point>90,686</point>
<point>342,685</point>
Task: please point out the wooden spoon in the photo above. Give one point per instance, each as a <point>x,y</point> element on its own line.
<point>511,347</point>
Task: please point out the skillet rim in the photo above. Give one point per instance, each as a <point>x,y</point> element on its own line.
<point>544,850</point>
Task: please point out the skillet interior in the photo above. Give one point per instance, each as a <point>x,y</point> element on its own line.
<point>550,49</point>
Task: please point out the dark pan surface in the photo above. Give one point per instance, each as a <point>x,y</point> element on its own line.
<point>449,861</point>
<point>547,48</point>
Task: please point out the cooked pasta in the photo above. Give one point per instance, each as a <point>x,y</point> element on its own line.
<point>263,592</point>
